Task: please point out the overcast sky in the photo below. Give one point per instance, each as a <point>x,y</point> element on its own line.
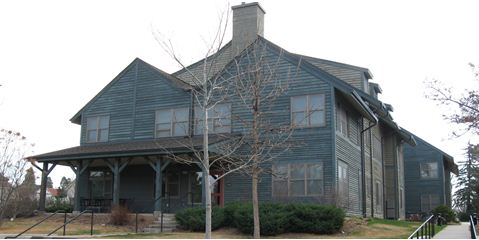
<point>56,55</point>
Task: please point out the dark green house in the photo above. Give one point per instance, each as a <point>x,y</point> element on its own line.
<point>350,153</point>
<point>428,177</point>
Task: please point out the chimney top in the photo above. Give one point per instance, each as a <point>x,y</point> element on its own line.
<point>248,23</point>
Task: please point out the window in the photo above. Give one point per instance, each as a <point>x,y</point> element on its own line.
<point>377,148</point>
<point>429,170</point>
<point>100,184</point>
<point>308,110</point>
<point>97,128</point>
<point>429,202</point>
<point>172,122</point>
<point>378,195</point>
<point>343,183</point>
<point>297,180</point>
<point>219,119</point>
<point>172,185</point>
<point>342,121</point>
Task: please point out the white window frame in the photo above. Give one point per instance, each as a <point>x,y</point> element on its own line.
<point>343,172</point>
<point>214,119</point>
<point>287,179</point>
<point>172,122</point>
<point>98,129</point>
<point>309,111</point>
<point>434,173</point>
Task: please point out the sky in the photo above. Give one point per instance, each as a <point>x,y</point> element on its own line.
<point>57,55</point>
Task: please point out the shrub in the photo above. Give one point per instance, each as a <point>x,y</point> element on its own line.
<point>445,212</point>
<point>463,216</point>
<point>58,204</point>
<point>229,210</point>
<point>312,218</point>
<point>119,215</point>
<point>193,219</point>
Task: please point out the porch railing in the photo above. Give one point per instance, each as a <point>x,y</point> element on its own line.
<point>472,226</point>
<point>426,230</point>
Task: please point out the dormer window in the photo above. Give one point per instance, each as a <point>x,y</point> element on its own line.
<point>172,122</point>
<point>97,128</point>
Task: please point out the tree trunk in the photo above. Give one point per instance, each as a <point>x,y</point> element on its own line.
<point>256,230</point>
<point>206,169</point>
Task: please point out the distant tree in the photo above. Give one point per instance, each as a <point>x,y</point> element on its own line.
<point>49,183</point>
<point>13,148</point>
<point>25,196</point>
<point>466,196</point>
<point>64,183</point>
<point>465,106</point>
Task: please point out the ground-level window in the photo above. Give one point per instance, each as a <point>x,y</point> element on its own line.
<point>343,183</point>
<point>429,202</point>
<point>429,170</point>
<point>297,180</point>
<point>100,184</point>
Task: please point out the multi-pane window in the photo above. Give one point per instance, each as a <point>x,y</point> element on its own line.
<point>343,183</point>
<point>429,170</point>
<point>97,128</point>
<point>342,121</point>
<point>308,110</point>
<point>297,180</point>
<point>172,185</point>
<point>219,119</point>
<point>100,184</point>
<point>429,202</point>
<point>172,122</point>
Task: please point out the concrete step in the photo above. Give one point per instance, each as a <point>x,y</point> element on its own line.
<point>164,225</point>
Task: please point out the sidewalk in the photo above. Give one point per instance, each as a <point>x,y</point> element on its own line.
<point>460,231</point>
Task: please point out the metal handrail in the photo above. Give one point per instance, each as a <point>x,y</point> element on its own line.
<point>36,224</point>
<point>472,226</point>
<point>74,218</point>
<point>427,229</point>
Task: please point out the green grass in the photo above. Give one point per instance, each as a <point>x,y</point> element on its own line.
<point>400,223</point>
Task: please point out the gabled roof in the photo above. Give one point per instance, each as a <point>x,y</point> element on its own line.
<point>175,81</point>
<point>332,66</point>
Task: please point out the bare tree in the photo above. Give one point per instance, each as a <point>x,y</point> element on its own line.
<point>13,148</point>
<point>256,84</point>
<point>465,106</point>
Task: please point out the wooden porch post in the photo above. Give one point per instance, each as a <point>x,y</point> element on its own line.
<point>116,167</point>
<point>159,166</point>
<point>78,170</point>
<point>43,188</point>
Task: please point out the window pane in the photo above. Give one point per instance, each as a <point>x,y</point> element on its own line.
<point>280,172</point>
<point>92,123</point>
<point>103,135</point>
<point>199,128</point>
<point>163,126</point>
<point>199,113</point>
<point>297,188</point>
<point>163,133</point>
<point>91,135</point>
<point>163,116</point>
<point>315,187</point>
<point>181,115</point>
<point>314,171</point>
<point>298,103</point>
<point>299,119</point>
<point>280,188</point>
<point>297,171</point>
<point>180,129</point>
<point>222,110</point>
<point>317,118</point>
<point>104,121</point>
<point>316,102</point>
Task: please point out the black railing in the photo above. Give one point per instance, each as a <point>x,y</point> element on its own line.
<point>73,219</point>
<point>36,224</point>
<point>426,230</point>
<point>472,225</point>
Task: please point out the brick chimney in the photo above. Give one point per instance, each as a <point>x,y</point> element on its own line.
<point>248,23</point>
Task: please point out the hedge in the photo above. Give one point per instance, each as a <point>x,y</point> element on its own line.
<point>275,218</point>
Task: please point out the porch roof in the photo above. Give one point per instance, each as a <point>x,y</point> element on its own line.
<point>131,148</point>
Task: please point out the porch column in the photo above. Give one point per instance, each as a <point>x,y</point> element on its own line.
<point>116,168</point>
<point>159,166</point>
<point>43,187</point>
<point>78,170</point>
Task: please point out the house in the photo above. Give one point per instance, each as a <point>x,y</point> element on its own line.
<point>428,177</point>
<point>350,152</point>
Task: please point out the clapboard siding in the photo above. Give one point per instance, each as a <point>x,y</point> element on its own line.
<point>131,102</point>
<point>414,184</point>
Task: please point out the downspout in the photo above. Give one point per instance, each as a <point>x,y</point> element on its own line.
<point>363,164</point>
<point>192,114</point>
<point>371,171</point>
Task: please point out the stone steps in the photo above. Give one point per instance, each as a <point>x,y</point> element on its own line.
<point>169,224</point>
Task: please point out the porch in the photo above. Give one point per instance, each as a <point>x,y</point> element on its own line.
<point>139,175</point>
